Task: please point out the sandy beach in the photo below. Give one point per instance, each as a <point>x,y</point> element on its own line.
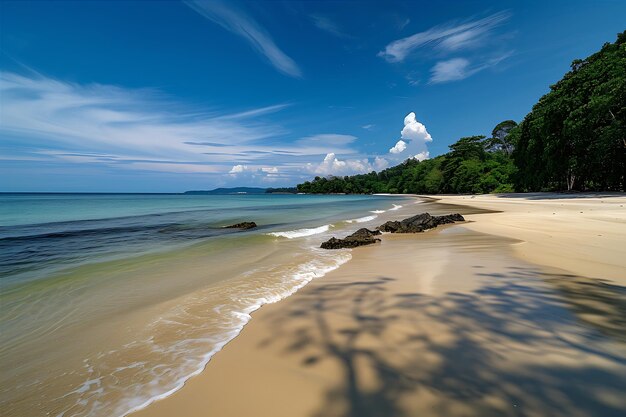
<point>519,311</point>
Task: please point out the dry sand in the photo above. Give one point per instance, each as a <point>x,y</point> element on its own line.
<point>445,323</point>
<point>581,233</point>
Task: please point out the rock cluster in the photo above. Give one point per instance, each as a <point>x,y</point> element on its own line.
<point>415,224</point>
<point>359,238</point>
<point>242,225</point>
<point>419,223</point>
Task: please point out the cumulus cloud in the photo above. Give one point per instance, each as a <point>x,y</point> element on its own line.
<point>400,146</point>
<point>414,130</point>
<point>239,23</point>
<point>380,163</point>
<point>254,174</point>
<point>412,144</point>
<point>422,156</point>
<point>237,169</point>
<point>332,165</point>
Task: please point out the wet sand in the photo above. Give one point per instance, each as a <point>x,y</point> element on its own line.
<point>452,322</point>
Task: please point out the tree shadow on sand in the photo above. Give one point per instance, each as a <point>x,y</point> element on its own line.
<point>516,346</point>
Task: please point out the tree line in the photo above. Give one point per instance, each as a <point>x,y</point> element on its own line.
<point>574,138</point>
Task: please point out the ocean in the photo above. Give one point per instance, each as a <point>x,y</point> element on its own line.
<point>111,301</point>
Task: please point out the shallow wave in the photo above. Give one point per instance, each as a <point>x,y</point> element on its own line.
<point>395,207</point>
<point>377,211</point>
<point>292,234</point>
<point>362,219</point>
<point>188,356</point>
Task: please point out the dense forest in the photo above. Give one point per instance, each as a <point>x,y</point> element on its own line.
<point>574,138</point>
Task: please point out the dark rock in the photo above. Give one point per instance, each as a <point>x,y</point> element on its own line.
<point>242,225</point>
<point>359,238</point>
<point>419,223</point>
<point>364,232</point>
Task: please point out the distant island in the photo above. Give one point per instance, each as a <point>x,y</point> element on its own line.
<point>226,191</point>
<point>243,190</point>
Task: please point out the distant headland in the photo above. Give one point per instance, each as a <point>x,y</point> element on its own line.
<point>243,190</point>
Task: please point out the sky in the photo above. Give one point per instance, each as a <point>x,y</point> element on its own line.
<point>168,96</point>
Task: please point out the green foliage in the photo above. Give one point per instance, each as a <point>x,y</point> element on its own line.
<point>468,168</point>
<point>281,190</point>
<point>575,136</point>
<point>501,138</point>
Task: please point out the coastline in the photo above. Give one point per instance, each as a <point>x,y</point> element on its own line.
<point>292,361</point>
<point>148,321</point>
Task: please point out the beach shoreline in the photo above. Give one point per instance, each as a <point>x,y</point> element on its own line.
<point>506,236</point>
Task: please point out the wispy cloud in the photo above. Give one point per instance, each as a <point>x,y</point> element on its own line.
<point>459,68</point>
<point>327,139</point>
<point>327,25</point>
<point>239,23</point>
<point>452,36</point>
<point>47,120</point>
<point>451,70</point>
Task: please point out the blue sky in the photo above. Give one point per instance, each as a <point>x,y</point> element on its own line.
<point>169,96</point>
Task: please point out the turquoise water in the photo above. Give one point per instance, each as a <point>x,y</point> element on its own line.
<point>111,301</point>
<point>41,233</point>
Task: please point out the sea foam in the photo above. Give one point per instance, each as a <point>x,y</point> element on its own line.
<point>292,234</point>
<point>362,219</point>
<point>292,281</point>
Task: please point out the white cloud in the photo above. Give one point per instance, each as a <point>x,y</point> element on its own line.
<point>414,130</point>
<point>256,174</point>
<point>400,146</point>
<point>238,169</point>
<point>422,156</point>
<point>174,168</point>
<point>451,70</point>
<point>327,25</point>
<point>380,163</point>
<point>331,165</point>
<point>327,139</point>
<point>368,126</point>
<point>459,68</point>
<point>452,36</point>
<point>237,22</point>
<point>412,144</point>
<point>143,129</point>
<point>136,124</point>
